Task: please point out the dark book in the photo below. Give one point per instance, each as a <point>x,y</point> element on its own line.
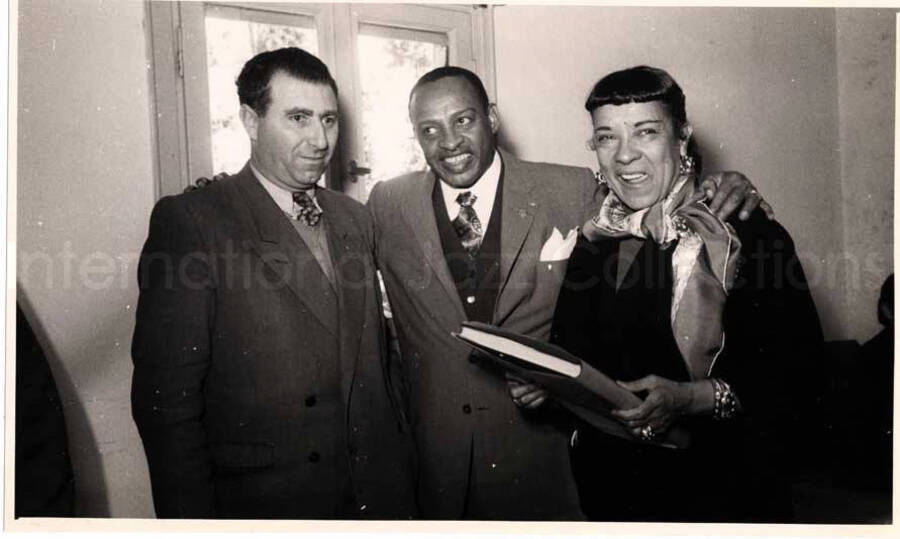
<point>578,386</point>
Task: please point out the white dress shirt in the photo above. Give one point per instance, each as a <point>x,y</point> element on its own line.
<point>485,190</point>
<point>282,197</point>
<point>315,237</point>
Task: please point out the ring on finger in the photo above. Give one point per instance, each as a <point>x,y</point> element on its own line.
<point>647,433</point>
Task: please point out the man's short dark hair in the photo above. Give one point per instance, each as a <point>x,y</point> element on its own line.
<point>454,71</point>
<point>253,82</point>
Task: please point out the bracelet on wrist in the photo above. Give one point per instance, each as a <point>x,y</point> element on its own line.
<point>724,400</point>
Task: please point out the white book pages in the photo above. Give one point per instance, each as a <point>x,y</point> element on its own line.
<point>505,346</point>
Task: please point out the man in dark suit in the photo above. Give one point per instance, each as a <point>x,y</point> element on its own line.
<point>482,236</point>
<point>259,388</point>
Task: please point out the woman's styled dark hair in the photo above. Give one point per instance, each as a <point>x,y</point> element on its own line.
<point>253,82</point>
<point>643,84</point>
<point>640,84</point>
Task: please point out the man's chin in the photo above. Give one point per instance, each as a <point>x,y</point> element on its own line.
<point>307,181</point>
<point>459,181</point>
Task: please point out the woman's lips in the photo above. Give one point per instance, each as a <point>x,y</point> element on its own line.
<point>633,177</point>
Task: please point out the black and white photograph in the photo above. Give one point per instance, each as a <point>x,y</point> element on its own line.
<point>571,268</point>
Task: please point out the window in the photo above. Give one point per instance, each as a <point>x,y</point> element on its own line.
<point>375,52</point>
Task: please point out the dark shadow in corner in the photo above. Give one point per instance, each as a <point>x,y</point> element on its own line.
<point>86,461</point>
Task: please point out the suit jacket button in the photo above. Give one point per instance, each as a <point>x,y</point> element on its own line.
<point>473,358</point>
<point>311,401</point>
<point>313,457</point>
<point>467,409</point>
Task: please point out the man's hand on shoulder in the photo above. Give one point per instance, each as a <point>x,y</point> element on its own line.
<point>203,181</point>
<point>728,190</point>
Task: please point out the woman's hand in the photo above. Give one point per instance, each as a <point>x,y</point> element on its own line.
<point>727,190</point>
<point>666,401</point>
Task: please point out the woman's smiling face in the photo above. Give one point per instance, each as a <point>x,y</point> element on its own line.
<point>638,150</point>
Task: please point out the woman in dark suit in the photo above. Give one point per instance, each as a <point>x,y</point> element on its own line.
<point>709,321</point>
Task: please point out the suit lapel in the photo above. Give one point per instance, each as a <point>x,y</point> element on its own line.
<point>419,213</point>
<point>281,249</point>
<point>347,257</point>
<point>517,216</point>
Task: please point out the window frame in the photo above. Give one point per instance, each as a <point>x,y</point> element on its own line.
<point>178,65</point>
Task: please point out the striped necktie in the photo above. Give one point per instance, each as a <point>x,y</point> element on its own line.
<point>467,225</point>
<point>309,212</point>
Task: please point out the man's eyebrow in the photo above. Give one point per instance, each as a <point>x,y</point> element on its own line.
<point>293,111</point>
<point>454,115</point>
<point>298,110</point>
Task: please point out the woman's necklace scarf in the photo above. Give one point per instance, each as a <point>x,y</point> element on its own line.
<point>703,263</point>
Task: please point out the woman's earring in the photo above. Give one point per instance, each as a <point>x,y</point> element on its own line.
<point>601,179</point>
<point>686,168</point>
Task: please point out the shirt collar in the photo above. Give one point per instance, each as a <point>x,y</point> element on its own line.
<point>282,197</point>
<point>485,187</point>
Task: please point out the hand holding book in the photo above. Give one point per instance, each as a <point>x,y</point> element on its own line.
<point>578,386</point>
<point>524,393</point>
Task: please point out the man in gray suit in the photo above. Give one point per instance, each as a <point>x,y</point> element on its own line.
<point>259,389</point>
<point>471,239</point>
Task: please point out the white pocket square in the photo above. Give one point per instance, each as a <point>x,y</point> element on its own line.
<point>557,247</point>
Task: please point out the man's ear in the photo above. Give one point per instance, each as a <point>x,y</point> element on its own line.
<point>494,118</point>
<point>250,120</point>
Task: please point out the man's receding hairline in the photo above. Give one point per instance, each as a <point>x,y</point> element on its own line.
<point>289,75</point>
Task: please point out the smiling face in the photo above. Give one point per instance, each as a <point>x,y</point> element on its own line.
<point>292,143</point>
<point>455,132</point>
<point>638,150</point>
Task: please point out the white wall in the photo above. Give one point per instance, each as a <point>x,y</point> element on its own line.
<point>865,43</point>
<point>762,92</point>
<point>85,189</point>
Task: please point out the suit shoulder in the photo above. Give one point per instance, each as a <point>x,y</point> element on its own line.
<point>199,198</point>
<point>761,233</point>
<point>344,202</point>
<point>204,208</point>
<point>556,170</point>
<point>402,183</point>
<point>347,206</point>
<point>395,190</point>
<point>562,183</point>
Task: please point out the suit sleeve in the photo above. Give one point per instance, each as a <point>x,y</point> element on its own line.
<point>171,353</point>
<point>773,338</point>
<point>395,375</point>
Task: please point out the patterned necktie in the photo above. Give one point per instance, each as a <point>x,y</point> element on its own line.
<point>309,213</point>
<point>466,224</point>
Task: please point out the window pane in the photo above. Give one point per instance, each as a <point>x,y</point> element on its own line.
<point>389,66</point>
<point>230,42</point>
